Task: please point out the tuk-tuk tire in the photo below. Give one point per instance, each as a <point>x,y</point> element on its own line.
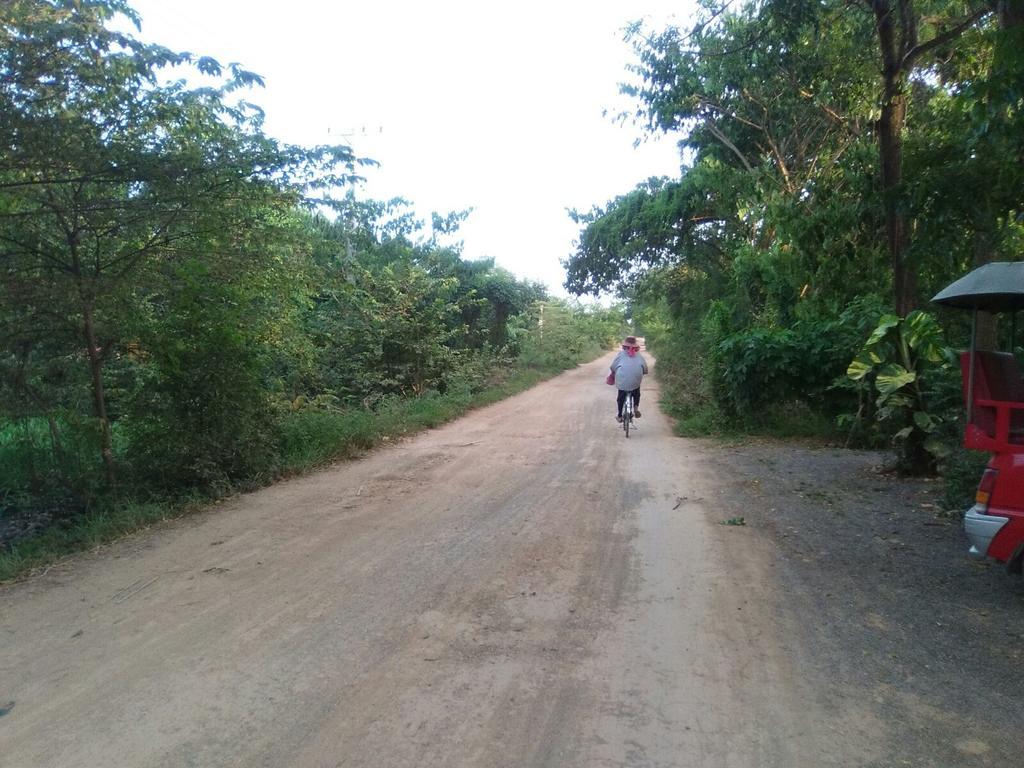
<point>1016,562</point>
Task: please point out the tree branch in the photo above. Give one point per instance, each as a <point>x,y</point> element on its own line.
<point>717,132</point>
<point>921,49</point>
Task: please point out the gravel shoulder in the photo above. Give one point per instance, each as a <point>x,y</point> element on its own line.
<point>891,610</point>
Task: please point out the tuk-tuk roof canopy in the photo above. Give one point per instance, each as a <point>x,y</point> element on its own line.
<point>995,287</point>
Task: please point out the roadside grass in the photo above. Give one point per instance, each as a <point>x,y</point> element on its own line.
<point>85,531</point>
<point>313,438</point>
<point>784,420</point>
<point>309,440</point>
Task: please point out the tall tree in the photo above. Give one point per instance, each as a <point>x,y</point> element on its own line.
<point>106,171</point>
<point>899,28</point>
<point>768,101</point>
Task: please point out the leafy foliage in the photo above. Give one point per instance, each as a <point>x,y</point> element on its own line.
<point>110,175</point>
<point>899,362</point>
<point>189,306</point>
<point>834,161</point>
<point>756,367</point>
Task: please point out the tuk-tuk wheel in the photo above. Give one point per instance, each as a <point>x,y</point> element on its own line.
<point>1016,563</point>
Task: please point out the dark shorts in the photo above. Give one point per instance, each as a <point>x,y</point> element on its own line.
<point>621,399</point>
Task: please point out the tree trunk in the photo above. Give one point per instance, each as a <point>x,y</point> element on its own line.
<point>890,138</point>
<point>94,353</point>
<point>98,393</point>
<point>1010,12</point>
<point>890,146</point>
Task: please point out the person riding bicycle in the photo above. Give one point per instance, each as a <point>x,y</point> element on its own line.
<point>628,368</point>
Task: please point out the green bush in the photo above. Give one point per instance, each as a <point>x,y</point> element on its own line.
<point>717,379</point>
<point>566,335</point>
<point>901,365</point>
<point>52,467</point>
<point>199,414</point>
<point>472,370</point>
<point>685,393</point>
<point>754,368</point>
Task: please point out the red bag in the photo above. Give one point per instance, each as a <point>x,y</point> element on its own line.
<point>611,378</point>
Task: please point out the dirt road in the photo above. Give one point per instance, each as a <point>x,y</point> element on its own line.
<point>523,587</point>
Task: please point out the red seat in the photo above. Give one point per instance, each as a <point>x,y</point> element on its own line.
<point>997,415</point>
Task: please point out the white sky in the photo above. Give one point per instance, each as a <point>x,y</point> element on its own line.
<point>465,104</point>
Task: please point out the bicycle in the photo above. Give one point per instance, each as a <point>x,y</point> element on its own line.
<point>627,414</point>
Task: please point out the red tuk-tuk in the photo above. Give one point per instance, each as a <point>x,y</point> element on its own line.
<point>994,398</point>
